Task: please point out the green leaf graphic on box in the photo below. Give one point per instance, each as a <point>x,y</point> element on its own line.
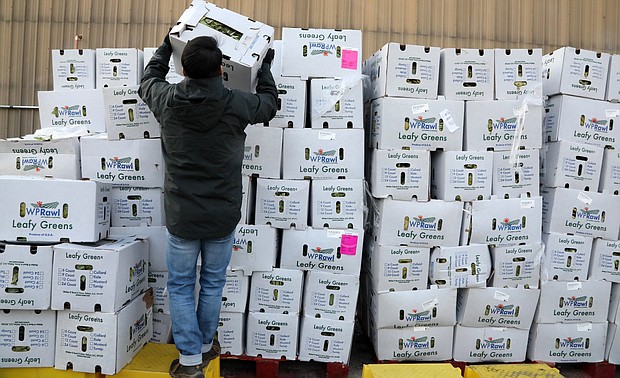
<point>571,340</point>
<point>121,160</point>
<point>496,341</point>
<point>506,307</point>
<point>325,153</point>
<point>247,148</point>
<point>326,251</point>
<point>590,212</point>
<point>419,314</point>
<point>49,205</point>
<point>427,220</point>
<point>319,52</point>
<point>511,223</point>
<point>32,166</point>
<point>427,120</point>
<point>598,121</point>
<point>420,339</point>
<point>237,247</point>
<point>507,120</point>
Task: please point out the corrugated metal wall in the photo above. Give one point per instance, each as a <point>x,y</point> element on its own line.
<point>29,29</point>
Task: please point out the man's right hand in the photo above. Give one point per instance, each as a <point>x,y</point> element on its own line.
<point>269,56</point>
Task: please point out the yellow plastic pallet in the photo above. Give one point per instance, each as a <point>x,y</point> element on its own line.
<point>511,370</point>
<point>154,360</point>
<point>44,373</point>
<point>441,370</point>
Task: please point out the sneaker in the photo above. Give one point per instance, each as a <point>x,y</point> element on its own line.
<point>212,354</point>
<point>183,371</point>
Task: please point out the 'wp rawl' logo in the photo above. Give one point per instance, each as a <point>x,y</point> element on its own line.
<point>510,225</point>
<point>491,343</point>
<point>35,164</point>
<point>415,316</point>
<point>44,210</point>
<point>121,164</point>
<point>588,214</point>
<point>421,222</point>
<point>324,157</point>
<point>422,123</point>
<point>321,48</point>
<point>69,111</point>
<point>503,124</point>
<point>576,302</point>
<point>503,310</point>
<point>595,124</point>
<point>419,343</point>
<point>138,326</point>
<point>322,254</point>
<point>572,343</point>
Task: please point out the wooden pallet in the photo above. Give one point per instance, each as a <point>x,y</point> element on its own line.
<point>266,367</point>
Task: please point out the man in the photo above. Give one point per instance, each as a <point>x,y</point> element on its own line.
<point>202,126</point>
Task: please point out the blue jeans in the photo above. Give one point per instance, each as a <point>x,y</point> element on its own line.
<point>193,327</point>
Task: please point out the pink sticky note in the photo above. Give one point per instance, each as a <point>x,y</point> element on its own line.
<point>348,244</point>
<point>349,59</point>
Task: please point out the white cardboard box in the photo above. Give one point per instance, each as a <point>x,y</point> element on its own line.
<point>73,69</point>
<point>583,342</point>
<point>172,76</point>
<point>58,158</point>
<point>75,109</point>
<point>102,341</point>
<point>573,302</point>
<point>613,79</point>
<point>413,343</point>
<point>255,248</point>
<point>248,199</point>
<point>272,335</point>
<point>158,281</point>
<point>28,338</point>
<point>517,265</point>
<point>235,292</point>
<point>330,295</point>
<point>402,175</point>
<point>397,268</point>
<point>572,165</point>
<point>337,203</point>
<point>461,266</point>
<point>100,277</point>
<point>328,250</point>
<point>243,41</point>
<point>25,276</point>
<point>461,176</point>
<point>503,125</point>
<point>566,257</point>
<point>605,263</point>
<point>400,70</point>
<point>282,203</point>
<point>132,207</point>
<point>489,344</point>
<point>127,115</point>
<point>291,100</point>
<point>516,174</point>
<point>612,348</point>
<point>321,53</point>
<point>610,172</point>
<point>51,210</point>
<point>158,242</point>
<point>614,304</point>
<point>278,291</point>
<point>467,74</point>
<point>323,154</point>
<point>162,328</point>
<point>417,124</point>
<point>576,72</point>
<point>424,224</point>
<point>325,340</point>
<point>262,155</point>
<point>336,104</point>
<point>581,213</point>
<point>119,67</point>
<point>231,333</point>
<point>518,73</point>
<point>137,162</point>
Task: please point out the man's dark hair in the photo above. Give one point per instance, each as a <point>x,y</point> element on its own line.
<point>202,58</point>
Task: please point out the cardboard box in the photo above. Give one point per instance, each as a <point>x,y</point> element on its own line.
<point>172,77</point>
<point>127,116</point>
<point>417,124</point>
<point>577,72</point>
<point>582,120</point>
<point>518,73</point>
<point>397,268</point>
<point>461,176</point>
<point>119,67</point>
<point>572,165</point>
<point>337,203</point>
<point>132,207</point>
<point>336,104</point>
<point>612,347</point>
<point>325,340</point>
<point>400,70</point>
<point>272,335</point>
<point>137,162</point>
<point>231,333</point>
<point>323,154</point>
<point>467,74</point>
<point>402,175</point>
<point>99,277</point>
<point>158,241</point>
<point>158,282</point>
<point>489,344</point>
<point>291,100</point>
<point>613,79</point>
<point>322,53</point>
<point>235,292</point>
<point>610,172</point>
<point>460,267</point>
<point>496,307</point>
<point>418,308</point>
<point>277,292</point>
<point>28,338</point>
<point>566,257</point>
<point>51,210</point>
<point>162,328</point>
<point>614,304</point>
<point>262,154</point>
<point>583,342</point>
<point>330,296</point>
<point>282,203</point>
<point>423,224</point>
<point>276,64</point>
<point>581,213</point>
<point>87,341</point>
<point>503,125</point>
<point>58,158</point>
<point>517,265</point>
<point>605,263</point>
<point>413,343</point>
<point>243,41</point>
<point>25,276</point>
<point>504,222</point>
<point>573,302</point>
<point>81,109</point>
<point>328,250</point>
<point>248,199</point>
<point>73,69</point>
<point>255,248</point>
<point>516,173</point>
